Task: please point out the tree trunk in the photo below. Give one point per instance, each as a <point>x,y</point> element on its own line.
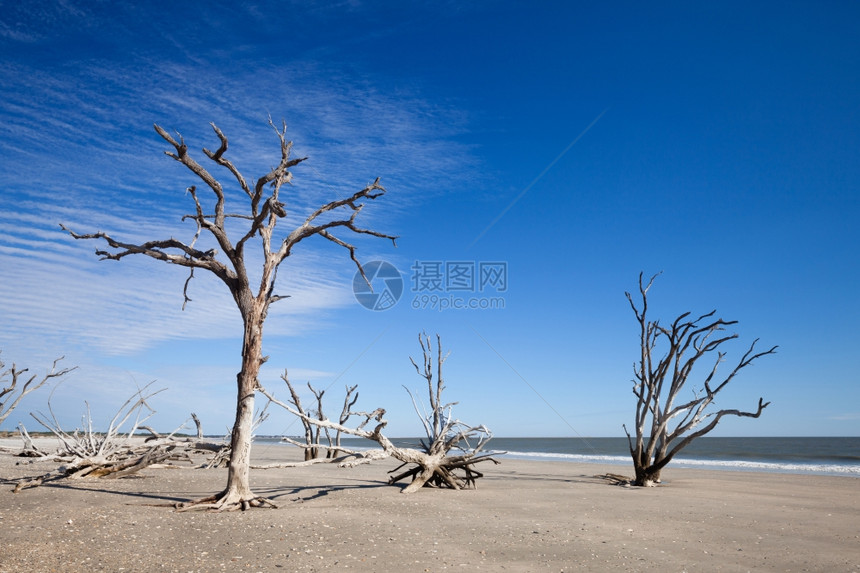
<point>647,472</point>
<point>238,477</point>
<point>238,494</point>
<point>421,477</point>
<point>265,210</point>
<point>646,476</point>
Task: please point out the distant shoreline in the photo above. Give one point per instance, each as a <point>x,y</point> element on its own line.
<point>790,455</point>
<point>839,456</point>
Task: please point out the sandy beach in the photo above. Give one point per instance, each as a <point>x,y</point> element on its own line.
<point>524,516</point>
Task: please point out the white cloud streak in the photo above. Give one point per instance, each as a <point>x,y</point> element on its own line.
<point>79,149</point>
<point>83,155</point>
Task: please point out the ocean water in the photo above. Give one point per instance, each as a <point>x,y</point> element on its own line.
<point>831,456</point>
<point>825,456</point>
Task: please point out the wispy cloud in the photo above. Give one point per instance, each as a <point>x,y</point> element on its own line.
<point>81,151</point>
<point>30,22</point>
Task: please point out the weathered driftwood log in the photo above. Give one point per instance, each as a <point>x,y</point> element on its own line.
<point>115,453</point>
<point>122,463</point>
<point>30,450</point>
<point>123,460</point>
<point>348,459</point>
<point>434,465</point>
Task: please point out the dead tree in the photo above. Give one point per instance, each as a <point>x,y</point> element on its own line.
<point>313,432</point>
<point>14,385</point>
<point>311,445</point>
<point>116,452</point>
<point>318,394</point>
<point>349,400</point>
<point>434,465</point>
<point>349,457</point>
<point>263,211</point>
<point>30,450</point>
<point>315,424</point>
<point>665,422</point>
<point>197,425</point>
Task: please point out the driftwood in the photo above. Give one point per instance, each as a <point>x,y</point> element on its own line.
<point>117,452</point>
<point>125,462</point>
<point>312,438</point>
<point>30,450</point>
<point>434,465</point>
<point>349,400</point>
<point>349,459</point>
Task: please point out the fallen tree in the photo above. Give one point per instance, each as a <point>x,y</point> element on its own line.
<point>433,464</point>
<point>117,452</point>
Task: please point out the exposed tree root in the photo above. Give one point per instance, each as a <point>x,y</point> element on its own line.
<point>616,479</point>
<point>225,501</point>
<point>442,474</point>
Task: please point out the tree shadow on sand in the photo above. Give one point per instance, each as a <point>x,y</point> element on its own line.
<point>170,499</point>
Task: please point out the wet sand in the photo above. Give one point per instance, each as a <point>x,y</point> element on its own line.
<point>524,516</point>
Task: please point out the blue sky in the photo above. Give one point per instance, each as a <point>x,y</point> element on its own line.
<point>577,144</point>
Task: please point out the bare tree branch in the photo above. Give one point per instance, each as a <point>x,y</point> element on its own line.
<point>116,452</point>
<point>434,465</point>
<point>12,390</point>
<point>258,221</point>
<point>311,440</point>
<point>662,427</point>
